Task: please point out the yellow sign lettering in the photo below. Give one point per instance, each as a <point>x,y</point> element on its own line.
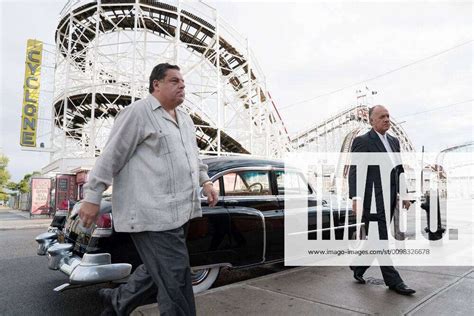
<point>28,139</point>
<point>32,68</point>
<point>27,97</point>
<point>35,52</point>
<point>31,123</point>
<point>31,89</point>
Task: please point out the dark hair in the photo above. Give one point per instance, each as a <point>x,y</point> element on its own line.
<point>159,72</point>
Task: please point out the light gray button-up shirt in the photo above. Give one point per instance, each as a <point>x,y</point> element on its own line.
<point>156,171</point>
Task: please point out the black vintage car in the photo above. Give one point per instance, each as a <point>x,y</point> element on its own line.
<point>245,229</point>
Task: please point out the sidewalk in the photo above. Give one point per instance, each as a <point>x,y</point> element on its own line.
<point>332,291</point>
<point>319,290</point>
<point>16,219</point>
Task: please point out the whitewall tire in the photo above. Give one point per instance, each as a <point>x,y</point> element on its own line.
<point>203,278</point>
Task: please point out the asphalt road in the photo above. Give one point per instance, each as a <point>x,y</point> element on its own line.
<point>27,284</point>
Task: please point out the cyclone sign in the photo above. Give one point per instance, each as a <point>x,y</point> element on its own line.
<point>31,88</point>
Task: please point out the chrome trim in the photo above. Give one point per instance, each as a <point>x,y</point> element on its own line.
<point>267,197</point>
<point>62,287</point>
<point>45,241</point>
<point>57,253</point>
<point>44,246</point>
<point>199,275</point>
<point>325,229</point>
<point>209,266</point>
<point>255,168</point>
<point>68,286</point>
<point>93,268</point>
<point>94,259</point>
<point>264,235</point>
<point>259,168</point>
<point>86,274</point>
<point>294,196</point>
<point>229,198</point>
<point>275,261</point>
<point>47,235</point>
<point>68,265</point>
<point>104,232</point>
<point>287,169</point>
<point>59,248</point>
<point>255,211</point>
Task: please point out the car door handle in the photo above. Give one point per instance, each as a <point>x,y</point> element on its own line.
<point>231,201</point>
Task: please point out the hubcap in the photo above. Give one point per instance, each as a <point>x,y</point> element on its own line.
<point>197,276</point>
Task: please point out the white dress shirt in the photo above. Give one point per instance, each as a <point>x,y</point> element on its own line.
<point>385,142</point>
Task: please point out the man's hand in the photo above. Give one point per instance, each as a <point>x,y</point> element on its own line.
<point>356,205</point>
<point>88,213</point>
<point>406,204</point>
<point>211,194</point>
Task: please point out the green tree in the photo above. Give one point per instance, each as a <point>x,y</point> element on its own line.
<point>13,186</point>
<point>4,177</point>
<point>24,185</point>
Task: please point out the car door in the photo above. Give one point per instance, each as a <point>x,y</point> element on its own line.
<point>293,184</point>
<point>249,197</point>
<point>208,236</point>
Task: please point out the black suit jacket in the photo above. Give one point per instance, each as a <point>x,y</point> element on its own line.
<point>370,142</point>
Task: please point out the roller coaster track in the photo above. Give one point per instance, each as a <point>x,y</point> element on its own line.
<point>352,121</point>
<point>77,30</point>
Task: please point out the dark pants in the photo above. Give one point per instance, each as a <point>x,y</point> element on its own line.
<point>165,275</point>
<point>390,275</point>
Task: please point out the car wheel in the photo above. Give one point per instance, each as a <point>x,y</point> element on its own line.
<point>203,278</point>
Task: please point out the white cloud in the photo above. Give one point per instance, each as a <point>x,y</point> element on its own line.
<point>306,49</point>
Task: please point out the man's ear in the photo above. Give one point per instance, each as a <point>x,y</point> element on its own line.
<point>156,85</point>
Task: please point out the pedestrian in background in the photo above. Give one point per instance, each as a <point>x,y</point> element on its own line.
<point>378,140</point>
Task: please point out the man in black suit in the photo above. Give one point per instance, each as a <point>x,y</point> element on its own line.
<point>378,140</point>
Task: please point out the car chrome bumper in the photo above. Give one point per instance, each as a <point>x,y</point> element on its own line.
<point>92,268</point>
<point>45,241</point>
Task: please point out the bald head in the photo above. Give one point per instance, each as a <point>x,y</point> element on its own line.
<point>379,118</point>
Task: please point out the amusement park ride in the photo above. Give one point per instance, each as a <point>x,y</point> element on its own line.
<point>103,54</point>
<point>101,61</point>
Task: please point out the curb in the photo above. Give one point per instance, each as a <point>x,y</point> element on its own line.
<point>26,222</point>
<point>31,226</point>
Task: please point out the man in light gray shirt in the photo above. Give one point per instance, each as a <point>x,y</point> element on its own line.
<point>152,158</point>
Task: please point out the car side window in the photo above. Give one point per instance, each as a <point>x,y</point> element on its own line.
<point>246,183</point>
<point>295,183</point>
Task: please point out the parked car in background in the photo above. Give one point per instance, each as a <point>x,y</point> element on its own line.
<point>245,229</point>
